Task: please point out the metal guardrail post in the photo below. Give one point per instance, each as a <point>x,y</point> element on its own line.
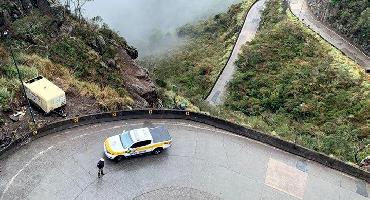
<point>33,129</point>
<point>224,125</point>
<point>7,34</point>
<point>75,120</point>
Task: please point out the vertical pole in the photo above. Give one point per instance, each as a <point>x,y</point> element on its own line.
<point>20,79</point>
<point>23,88</point>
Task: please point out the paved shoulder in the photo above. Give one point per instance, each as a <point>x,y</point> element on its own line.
<point>301,10</point>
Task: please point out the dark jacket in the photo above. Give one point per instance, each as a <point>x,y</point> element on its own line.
<point>100,164</point>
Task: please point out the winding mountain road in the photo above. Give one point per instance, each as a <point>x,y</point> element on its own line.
<point>301,10</point>
<point>203,163</point>
<point>249,30</point>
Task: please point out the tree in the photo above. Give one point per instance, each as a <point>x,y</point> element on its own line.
<point>78,5</point>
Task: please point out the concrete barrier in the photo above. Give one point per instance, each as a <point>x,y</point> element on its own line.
<point>200,118</point>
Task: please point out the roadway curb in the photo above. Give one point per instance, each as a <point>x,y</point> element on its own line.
<point>362,65</point>
<point>231,53</point>
<point>196,117</point>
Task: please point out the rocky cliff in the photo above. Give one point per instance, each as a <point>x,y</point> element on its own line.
<point>350,18</point>
<point>11,10</point>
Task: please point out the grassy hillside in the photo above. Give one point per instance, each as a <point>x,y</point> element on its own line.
<point>72,56</point>
<point>89,61</point>
<point>192,69</point>
<point>294,85</point>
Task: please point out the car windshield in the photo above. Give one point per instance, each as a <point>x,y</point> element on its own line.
<point>126,140</point>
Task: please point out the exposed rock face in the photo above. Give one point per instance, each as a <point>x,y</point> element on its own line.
<point>111,63</point>
<point>329,13</point>
<point>137,81</point>
<point>132,52</point>
<point>11,10</point>
<point>27,5</point>
<point>5,18</point>
<point>100,42</point>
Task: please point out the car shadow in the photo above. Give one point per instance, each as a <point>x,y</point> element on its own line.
<point>137,161</point>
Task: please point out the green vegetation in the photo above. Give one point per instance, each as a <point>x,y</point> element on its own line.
<point>192,69</point>
<point>290,83</point>
<point>294,85</point>
<point>352,18</point>
<point>72,54</point>
<point>107,97</point>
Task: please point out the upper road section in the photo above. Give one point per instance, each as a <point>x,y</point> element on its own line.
<point>302,11</point>
<point>250,27</point>
<point>203,163</point>
<point>247,34</point>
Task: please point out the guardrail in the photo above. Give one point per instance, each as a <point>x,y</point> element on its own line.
<point>200,118</point>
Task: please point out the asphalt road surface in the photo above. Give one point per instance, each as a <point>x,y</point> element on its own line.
<point>249,30</point>
<point>203,163</point>
<point>302,11</point>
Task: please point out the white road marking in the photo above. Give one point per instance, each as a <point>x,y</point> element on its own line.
<point>24,167</point>
<point>80,136</point>
<point>48,149</point>
<point>99,131</point>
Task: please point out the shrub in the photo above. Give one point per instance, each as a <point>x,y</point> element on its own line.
<point>204,54</point>
<point>74,54</point>
<point>302,87</point>
<point>4,96</point>
<point>26,72</point>
<point>107,98</point>
<point>351,18</point>
<point>34,26</point>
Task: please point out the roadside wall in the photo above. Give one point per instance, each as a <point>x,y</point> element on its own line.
<point>196,117</point>
<point>321,8</point>
<point>327,12</point>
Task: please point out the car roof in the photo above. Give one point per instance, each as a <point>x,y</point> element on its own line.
<point>160,134</point>
<point>140,134</point>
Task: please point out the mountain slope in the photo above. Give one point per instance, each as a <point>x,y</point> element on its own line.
<point>92,63</point>
<point>295,85</point>
<point>209,44</point>
<point>349,17</point>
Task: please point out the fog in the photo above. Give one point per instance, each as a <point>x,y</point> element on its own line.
<point>150,25</point>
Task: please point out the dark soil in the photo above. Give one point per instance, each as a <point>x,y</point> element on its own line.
<point>76,106</point>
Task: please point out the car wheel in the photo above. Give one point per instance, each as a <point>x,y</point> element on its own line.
<point>118,158</point>
<point>157,151</point>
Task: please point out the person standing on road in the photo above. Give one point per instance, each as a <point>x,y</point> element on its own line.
<point>100,166</point>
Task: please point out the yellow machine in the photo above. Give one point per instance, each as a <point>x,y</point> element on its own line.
<point>45,94</point>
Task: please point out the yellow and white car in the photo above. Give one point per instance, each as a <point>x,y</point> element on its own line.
<point>136,142</point>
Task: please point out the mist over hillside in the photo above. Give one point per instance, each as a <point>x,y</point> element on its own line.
<point>150,25</point>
